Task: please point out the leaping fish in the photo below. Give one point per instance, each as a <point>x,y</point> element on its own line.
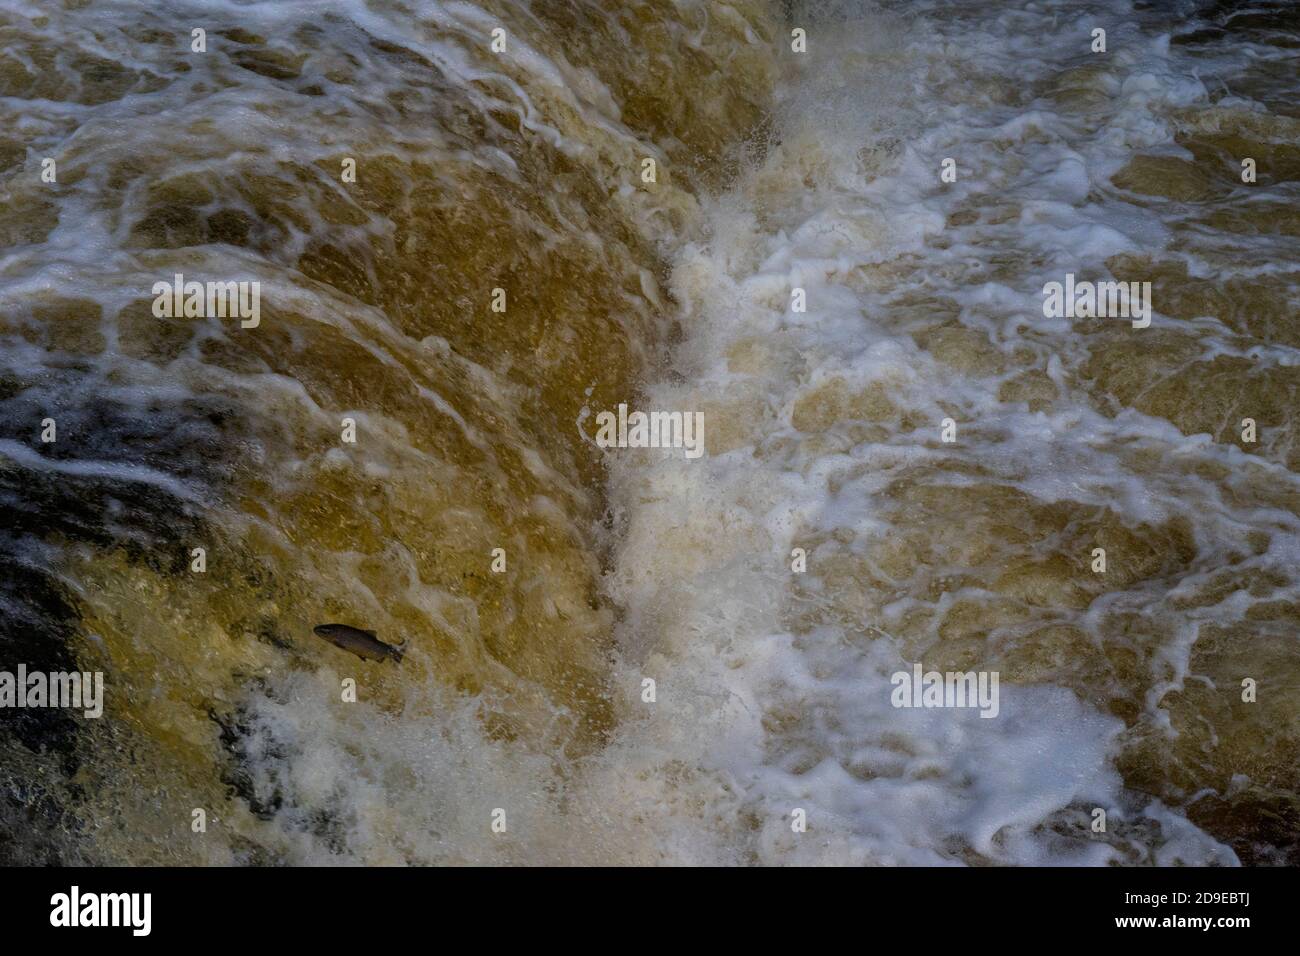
<point>364,644</point>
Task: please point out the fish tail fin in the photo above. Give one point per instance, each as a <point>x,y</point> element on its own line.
<point>397,653</point>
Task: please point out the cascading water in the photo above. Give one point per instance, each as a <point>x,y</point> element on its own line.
<point>500,269</point>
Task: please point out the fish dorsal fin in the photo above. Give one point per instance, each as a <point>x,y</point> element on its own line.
<point>369,634</point>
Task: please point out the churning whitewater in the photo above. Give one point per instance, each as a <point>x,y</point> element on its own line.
<point>716,431</point>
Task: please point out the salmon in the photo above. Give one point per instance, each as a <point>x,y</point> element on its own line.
<point>364,644</point>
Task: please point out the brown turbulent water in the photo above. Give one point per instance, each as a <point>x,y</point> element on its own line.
<point>521,170</point>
